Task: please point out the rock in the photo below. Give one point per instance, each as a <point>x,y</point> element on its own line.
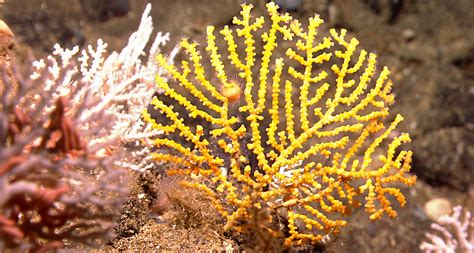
<point>417,52</point>
<point>456,50</point>
<point>456,98</point>
<point>465,64</point>
<point>408,34</point>
<point>289,5</point>
<point>446,157</point>
<point>334,15</point>
<point>193,17</point>
<point>105,10</point>
<point>42,25</point>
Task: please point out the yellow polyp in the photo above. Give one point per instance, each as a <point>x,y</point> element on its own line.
<point>232,91</point>
<point>301,128</point>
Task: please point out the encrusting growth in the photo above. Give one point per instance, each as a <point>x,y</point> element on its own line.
<point>313,120</point>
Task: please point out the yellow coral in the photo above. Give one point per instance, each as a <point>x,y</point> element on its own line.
<point>304,150</point>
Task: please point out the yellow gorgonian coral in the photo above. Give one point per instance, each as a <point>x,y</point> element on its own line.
<point>307,139</point>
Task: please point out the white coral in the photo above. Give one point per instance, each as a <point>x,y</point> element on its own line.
<point>65,131</point>
<point>116,86</point>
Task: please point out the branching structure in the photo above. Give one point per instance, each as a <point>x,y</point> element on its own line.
<point>63,129</point>
<point>120,82</point>
<point>308,128</point>
<point>451,233</point>
<point>54,182</point>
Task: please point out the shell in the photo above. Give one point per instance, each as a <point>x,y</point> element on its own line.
<point>437,207</point>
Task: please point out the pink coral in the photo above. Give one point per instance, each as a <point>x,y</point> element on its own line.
<point>68,130</point>
<point>454,233</point>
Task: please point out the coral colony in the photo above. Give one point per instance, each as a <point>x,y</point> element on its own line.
<point>452,233</point>
<point>62,136</point>
<point>302,146</point>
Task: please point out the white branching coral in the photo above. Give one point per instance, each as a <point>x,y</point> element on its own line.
<point>121,83</point>
<point>454,233</point>
<point>68,128</point>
